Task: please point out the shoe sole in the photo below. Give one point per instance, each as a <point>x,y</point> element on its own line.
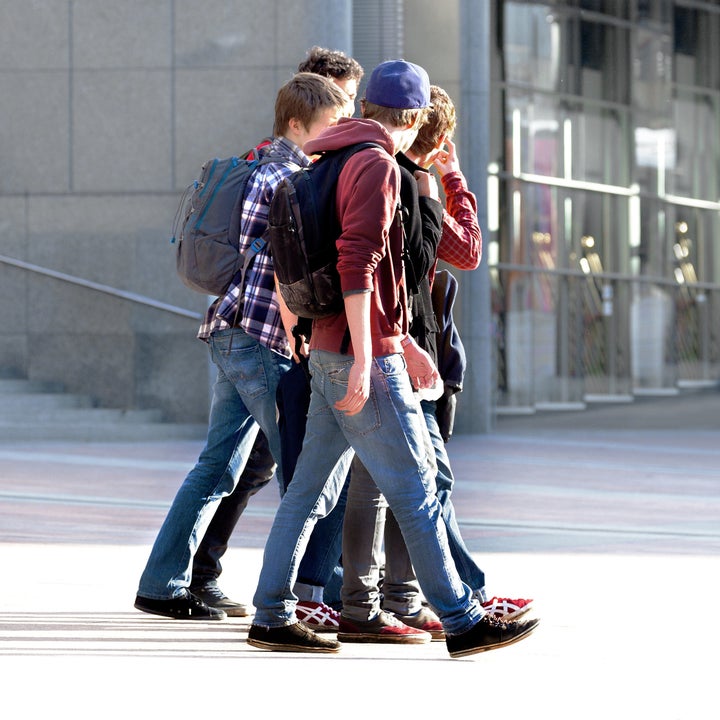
<point>319,628</point>
<point>385,639</point>
<point>485,648</point>
<point>435,635</point>
<point>235,612</point>
<point>195,618</point>
<point>281,647</point>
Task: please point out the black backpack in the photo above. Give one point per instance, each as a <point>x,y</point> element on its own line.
<point>302,229</point>
<point>207,223</point>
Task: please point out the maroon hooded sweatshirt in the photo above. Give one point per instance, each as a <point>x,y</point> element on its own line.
<point>370,243</point>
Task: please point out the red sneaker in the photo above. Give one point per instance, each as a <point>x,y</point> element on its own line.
<point>383,628</point>
<point>507,608</point>
<point>317,616</point>
<point>425,620</point>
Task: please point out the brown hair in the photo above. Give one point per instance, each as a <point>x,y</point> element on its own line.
<point>303,98</point>
<point>396,117</point>
<point>441,120</point>
<point>331,63</point>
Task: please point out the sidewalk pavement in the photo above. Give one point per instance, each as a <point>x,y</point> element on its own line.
<point>609,518</point>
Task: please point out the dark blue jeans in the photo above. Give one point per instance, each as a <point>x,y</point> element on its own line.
<point>243,402</point>
<point>321,564</point>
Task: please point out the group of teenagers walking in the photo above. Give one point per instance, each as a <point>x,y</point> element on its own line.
<point>365,545</point>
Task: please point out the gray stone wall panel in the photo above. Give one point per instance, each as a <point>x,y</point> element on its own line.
<point>223,33</point>
<point>128,34</point>
<point>34,34</point>
<point>121,139</point>
<point>171,374</point>
<point>34,132</point>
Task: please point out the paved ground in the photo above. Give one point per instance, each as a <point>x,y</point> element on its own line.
<point>609,518</point>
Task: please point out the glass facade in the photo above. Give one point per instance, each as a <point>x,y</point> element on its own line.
<point>603,234</point>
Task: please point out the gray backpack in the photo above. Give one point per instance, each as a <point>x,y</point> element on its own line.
<point>207,223</point>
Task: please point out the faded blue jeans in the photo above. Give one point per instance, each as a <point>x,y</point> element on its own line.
<point>243,399</point>
<point>368,526</point>
<point>390,437</point>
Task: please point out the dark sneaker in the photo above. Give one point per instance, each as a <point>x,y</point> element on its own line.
<point>425,619</point>
<point>213,596</point>
<point>489,633</point>
<point>383,628</point>
<point>183,607</point>
<point>290,638</point>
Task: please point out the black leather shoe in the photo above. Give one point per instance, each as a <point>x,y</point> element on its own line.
<point>291,638</point>
<point>213,596</point>
<point>183,607</point>
<point>489,633</point>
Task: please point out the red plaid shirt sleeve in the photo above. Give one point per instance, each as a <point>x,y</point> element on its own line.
<point>461,240</point>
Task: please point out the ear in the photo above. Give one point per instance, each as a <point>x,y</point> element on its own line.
<point>295,125</point>
<point>440,142</point>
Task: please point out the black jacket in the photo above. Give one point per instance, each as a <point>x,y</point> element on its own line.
<point>422,223</point>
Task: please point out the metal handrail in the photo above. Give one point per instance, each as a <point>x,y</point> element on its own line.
<point>98,287</point>
<point>570,272</point>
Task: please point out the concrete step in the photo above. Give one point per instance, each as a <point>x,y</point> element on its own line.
<point>21,386</point>
<point>82,414</point>
<point>38,410</point>
<point>99,432</point>
<point>28,403</point>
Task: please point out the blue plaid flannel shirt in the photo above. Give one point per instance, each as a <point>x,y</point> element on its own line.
<point>260,311</point>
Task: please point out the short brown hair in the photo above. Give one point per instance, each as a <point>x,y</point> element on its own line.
<point>397,117</point>
<point>331,63</point>
<point>441,120</point>
<point>303,98</point>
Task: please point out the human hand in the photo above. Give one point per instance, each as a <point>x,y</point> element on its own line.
<point>300,351</point>
<point>446,159</point>
<point>420,367</point>
<point>358,390</point>
<point>427,185</point>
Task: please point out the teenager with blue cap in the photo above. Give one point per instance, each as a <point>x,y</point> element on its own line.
<point>362,400</point>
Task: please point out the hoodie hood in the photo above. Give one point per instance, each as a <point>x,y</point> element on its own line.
<point>350,131</point>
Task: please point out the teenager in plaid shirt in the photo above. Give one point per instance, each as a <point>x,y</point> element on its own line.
<point>346,73</point>
<point>250,355</point>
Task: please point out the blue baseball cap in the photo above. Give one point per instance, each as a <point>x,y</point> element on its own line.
<point>399,84</point>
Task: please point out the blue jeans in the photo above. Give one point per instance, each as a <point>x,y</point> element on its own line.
<point>319,570</point>
<point>369,525</point>
<point>399,588</point>
<point>243,398</point>
<point>390,438</point>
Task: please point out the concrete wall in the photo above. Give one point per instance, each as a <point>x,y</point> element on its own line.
<point>108,110</point>
<point>447,38</point>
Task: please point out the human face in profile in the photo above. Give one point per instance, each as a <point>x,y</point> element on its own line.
<point>349,86</point>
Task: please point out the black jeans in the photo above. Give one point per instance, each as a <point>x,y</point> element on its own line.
<point>257,474</point>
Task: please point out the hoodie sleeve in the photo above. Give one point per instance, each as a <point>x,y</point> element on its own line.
<point>367,199</point>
